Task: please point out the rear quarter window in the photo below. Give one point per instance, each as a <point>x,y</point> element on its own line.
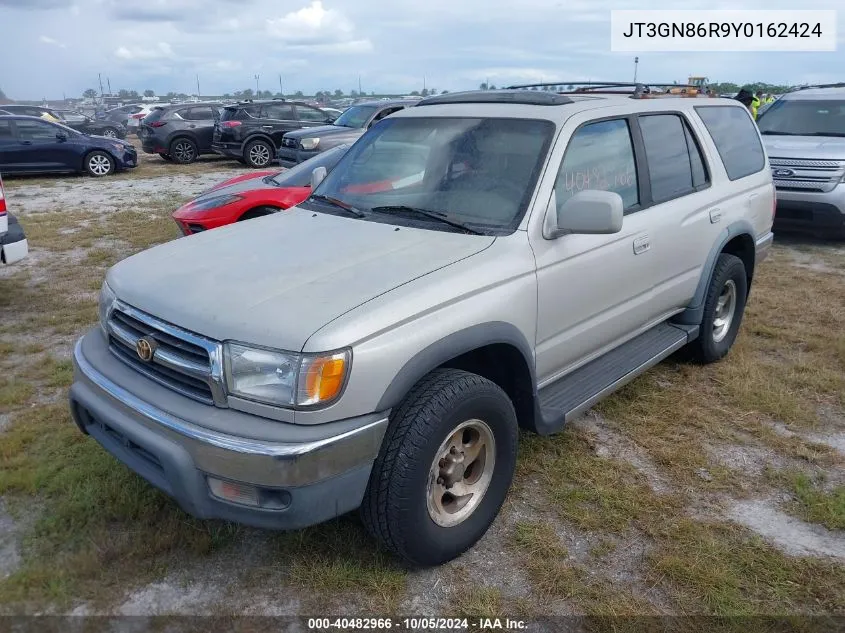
<point>736,139</point>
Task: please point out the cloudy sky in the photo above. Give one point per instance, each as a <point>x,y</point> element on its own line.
<point>55,47</point>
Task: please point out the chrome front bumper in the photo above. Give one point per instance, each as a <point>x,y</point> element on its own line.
<point>321,475</point>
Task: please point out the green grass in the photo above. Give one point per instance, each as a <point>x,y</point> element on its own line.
<point>812,502</point>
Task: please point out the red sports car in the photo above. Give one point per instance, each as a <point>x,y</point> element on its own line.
<point>253,194</point>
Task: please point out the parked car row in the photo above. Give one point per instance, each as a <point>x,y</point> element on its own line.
<point>74,120</point>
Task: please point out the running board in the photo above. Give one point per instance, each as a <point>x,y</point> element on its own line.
<point>575,393</point>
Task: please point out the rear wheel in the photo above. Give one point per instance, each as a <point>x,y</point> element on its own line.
<point>99,164</point>
<point>258,153</point>
<point>444,468</point>
<point>183,151</point>
<point>110,132</point>
<point>724,306</point>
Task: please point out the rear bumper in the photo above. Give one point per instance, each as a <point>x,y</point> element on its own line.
<point>307,476</point>
<point>13,244</point>
<point>153,145</point>
<point>822,213</point>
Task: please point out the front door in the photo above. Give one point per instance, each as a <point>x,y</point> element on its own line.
<point>593,290</point>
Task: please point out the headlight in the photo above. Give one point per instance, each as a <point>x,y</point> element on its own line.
<point>118,147</point>
<point>107,299</point>
<point>310,143</point>
<point>284,378</point>
<point>213,203</point>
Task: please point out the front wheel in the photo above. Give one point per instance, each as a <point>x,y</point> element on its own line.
<point>99,164</point>
<point>444,469</point>
<point>258,154</point>
<point>724,306</point>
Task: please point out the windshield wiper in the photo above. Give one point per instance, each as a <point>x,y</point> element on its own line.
<point>340,204</point>
<point>825,134</point>
<point>435,215</point>
<point>773,133</point>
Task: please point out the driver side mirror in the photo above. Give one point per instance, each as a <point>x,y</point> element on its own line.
<point>317,176</point>
<point>588,212</point>
<point>61,137</point>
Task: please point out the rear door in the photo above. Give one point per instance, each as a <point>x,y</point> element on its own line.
<point>39,149</point>
<point>8,147</point>
<point>277,119</point>
<point>200,121</point>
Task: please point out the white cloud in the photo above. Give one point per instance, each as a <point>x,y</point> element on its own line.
<point>162,50</point>
<point>52,42</point>
<point>318,28</point>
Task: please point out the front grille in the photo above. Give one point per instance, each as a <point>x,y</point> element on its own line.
<point>181,361</point>
<point>196,228</point>
<point>807,175</point>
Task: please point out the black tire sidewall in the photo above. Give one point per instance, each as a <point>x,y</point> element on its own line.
<point>249,147</point>
<point>728,267</point>
<point>425,542</point>
<point>88,158</point>
<point>173,153</point>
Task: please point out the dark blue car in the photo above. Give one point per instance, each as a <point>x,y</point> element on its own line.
<point>29,145</point>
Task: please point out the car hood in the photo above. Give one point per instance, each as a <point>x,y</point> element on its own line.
<point>250,182</point>
<point>276,280</point>
<point>323,131</point>
<point>812,147</point>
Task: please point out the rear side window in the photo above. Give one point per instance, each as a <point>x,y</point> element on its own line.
<point>5,130</point>
<point>278,112</point>
<point>154,115</point>
<point>310,114</point>
<point>675,164</point>
<point>199,113</point>
<point>736,138</point>
<point>239,114</point>
<point>600,156</point>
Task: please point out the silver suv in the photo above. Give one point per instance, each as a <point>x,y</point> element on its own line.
<point>804,135</point>
<point>482,262</point>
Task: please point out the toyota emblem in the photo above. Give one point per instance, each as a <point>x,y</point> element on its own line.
<point>145,347</point>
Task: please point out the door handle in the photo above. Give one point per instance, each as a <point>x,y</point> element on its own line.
<point>26,142</point>
<point>267,127</point>
<point>192,126</point>
<point>642,244</point>
<point>715,215</point>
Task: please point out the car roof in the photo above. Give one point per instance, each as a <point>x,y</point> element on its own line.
<point>816,92</point>
<point>172,106</point>
<point>386,103</point>
<point>25,117</point>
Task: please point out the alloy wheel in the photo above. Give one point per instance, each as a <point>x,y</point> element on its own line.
<point>99,165</point>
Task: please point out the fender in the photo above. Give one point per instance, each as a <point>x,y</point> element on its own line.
<point>695,311</point>
<point>450,347</point>
<point>256,136</point>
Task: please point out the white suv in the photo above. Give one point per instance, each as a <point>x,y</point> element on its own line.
<point>13,244</point>
<point>379,347</point>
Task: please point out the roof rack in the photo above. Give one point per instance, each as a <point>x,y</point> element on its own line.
<point>836,85</point>
<point>506,95</point>
<point>636,90</point>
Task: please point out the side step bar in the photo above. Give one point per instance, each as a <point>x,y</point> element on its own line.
<point>575,393</point>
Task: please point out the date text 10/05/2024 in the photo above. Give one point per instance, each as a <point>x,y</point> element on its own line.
<point>416,624</point>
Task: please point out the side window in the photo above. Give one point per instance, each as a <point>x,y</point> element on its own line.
<point>311,114</point>
<point>36,131</point>
<point>674,161</point>
<point>5,131</point>
<point>599,156</point>
<point>385,113</point>
<point>202,113</point>
<point>278,111</point>
<point>736,138</point>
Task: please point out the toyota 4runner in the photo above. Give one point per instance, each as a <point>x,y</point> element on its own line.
<point>379,348</point>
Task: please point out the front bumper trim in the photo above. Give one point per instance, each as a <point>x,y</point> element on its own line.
<point>286,464</point>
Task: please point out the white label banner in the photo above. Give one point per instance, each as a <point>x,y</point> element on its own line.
<point>722,31</point>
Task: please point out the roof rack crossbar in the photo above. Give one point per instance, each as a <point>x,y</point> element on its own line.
<point>585,86</point>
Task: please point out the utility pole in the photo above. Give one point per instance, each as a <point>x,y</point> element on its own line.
<point>281,90</point>
<point>423,82</point>
<point>636,61</point>
<point>359,86</point>
<point>100,78</point>
<point>108,83</point>
<point>256,85</point>
<point>198,87</point>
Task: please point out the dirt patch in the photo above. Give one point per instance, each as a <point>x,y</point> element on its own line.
<point>787,533</point>
<point>10,557</point>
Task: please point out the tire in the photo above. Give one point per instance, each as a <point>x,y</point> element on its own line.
<point>258,212</point>
<point>166,156</point>
<point>110,132</point>
<point>259,154</point>
<point>724,307</point>
<point>99,164</point>
<point>400,506</point>
<point>183,151</point>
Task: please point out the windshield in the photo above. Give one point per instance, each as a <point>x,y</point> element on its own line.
<point>479,172</point>
<point>300,175</point>
<point>356,116</point>
<point>808,118</point>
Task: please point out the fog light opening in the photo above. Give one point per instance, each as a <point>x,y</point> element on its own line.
<point>232,492</point>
